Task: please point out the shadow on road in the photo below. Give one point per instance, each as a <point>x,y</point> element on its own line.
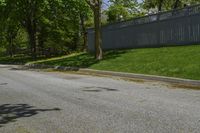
<point>98,89</point>
<point>12,112</point>
<point>2,84</point>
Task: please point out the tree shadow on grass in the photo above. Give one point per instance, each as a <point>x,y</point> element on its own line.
<point>84,60</point>
<point>12,112</point>
<point>19,59</point>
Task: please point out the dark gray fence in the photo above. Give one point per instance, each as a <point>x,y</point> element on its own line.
<point>177,27</point>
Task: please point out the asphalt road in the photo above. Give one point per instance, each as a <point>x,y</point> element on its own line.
<point>47,102</point>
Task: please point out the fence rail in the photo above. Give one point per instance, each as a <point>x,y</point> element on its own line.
<point>176,27</point>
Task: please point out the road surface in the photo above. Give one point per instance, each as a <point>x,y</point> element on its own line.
<point>49,102</point>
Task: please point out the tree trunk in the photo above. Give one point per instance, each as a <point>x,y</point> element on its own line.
<point>160,5</point>
<point>32,41</point>
<point>176,4</point>
<point>30,24</point>
<point>41,44</point>
<point>98,39</point>
<point>11,47</point>
<point>84,32</point>
<point>31,29</point>
<point>41,40</point>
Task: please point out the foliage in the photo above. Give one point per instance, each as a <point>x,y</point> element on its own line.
<point>120,10</point>
<point>58,27</point>
<point>163,5</point>
<point>9,28</point>
<point>50,27</point>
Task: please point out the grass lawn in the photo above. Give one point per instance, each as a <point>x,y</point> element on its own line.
<point>17,59</point>
<point>182,62</point>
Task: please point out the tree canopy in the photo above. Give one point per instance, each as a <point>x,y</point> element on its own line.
<point>57,27</point>
<point>50,25</point>
<point>122,10</point>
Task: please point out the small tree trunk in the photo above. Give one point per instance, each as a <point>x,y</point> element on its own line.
<point>11,47</point>
<point>10,44</point>
<point>32,41</point>
<point>31,28</point>
<point>160,5</point>
<point>41,40</point>
<point>84,32</point>
<point>98,39</point>
<point>176,4</point>
<point>41,44</point>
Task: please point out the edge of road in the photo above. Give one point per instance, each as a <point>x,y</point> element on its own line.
<point>178,81</point>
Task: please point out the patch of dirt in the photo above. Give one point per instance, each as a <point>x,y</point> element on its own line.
<point>131,79</point>
<point>188,87</point>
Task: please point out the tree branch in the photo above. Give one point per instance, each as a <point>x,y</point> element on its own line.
<point>92,5</point>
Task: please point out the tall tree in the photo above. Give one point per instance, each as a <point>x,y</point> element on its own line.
<point>95,5</point>
<point>28,12</point>
<point>9,26</point>
<point>51,26</point>
<point>85,14</point>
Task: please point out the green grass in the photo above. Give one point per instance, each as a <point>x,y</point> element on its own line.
<point>182,62</point>
<point>83,60</point>
<point>15,60</point>
<point>18,59</point>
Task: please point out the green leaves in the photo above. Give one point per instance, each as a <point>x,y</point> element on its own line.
<point>122,10</point>
<point>48,24</point>
<point>167,4</point>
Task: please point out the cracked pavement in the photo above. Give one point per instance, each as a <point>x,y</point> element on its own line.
<point>53,102</point>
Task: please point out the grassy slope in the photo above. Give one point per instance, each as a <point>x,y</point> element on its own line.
<point>183,61</point>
